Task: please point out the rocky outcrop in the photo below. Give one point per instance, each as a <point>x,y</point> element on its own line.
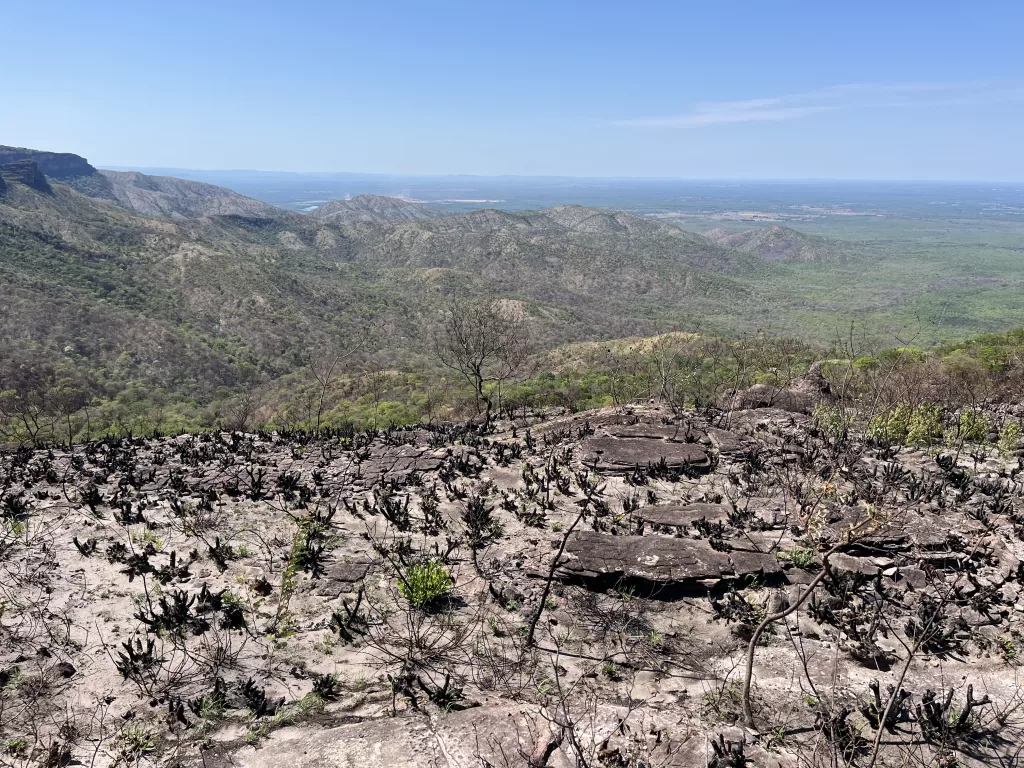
<point>25,172</point>
<point>683,515</point>
<point>56,165</point>
<point>177,198</point>
<point>613,454</point>
<point>776,243</point>
<point>139,192</point>
<point>799,396</point>
<point>310,541</point>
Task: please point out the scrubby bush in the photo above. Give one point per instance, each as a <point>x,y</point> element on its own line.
<point>925,425</point>
<point>425,585</point>
<point>801,557</point>
<point>891,425</point>
<point>971,426</point>
<point>829,419</point>
<point>917,425</point>
<point>1009,437</point>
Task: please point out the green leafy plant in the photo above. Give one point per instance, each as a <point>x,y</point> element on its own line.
<point>890,425</point>
<point>829,419</point>
<point>425,585</point>
<point>918,425</point>
<point>134,743</point>
<point>1009,437</point>
<point>801,557</point>
<point>1008,650</point>
<point>722,702</point>
<point>970,427</point>
<point>925,425</point>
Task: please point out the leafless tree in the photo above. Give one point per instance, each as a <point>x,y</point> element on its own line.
<point>37,406</point>
<point>325,368</point>
<point>486,343</point>
<point>242,411</point>
<point>377,382</point>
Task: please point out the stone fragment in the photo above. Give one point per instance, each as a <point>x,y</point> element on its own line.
<point>680,433</point>
<point>842,563</point>
<point>726,443</point>
<point>342,577</point>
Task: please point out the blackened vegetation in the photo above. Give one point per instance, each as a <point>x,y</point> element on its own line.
<point>259,578</point>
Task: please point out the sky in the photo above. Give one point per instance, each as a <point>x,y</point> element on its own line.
<point>749,90</point>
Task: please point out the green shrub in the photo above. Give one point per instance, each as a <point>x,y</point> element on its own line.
<point>829,419</point>
<point>425,584</point>
<point>970,427</point>
<point>925,425</point>
<point>801,557</point>
<point>1009,437</point>
<point>133,744</point>
<point>891,425</point>
<point>15,747</point>
<point>919,425</point>
<point>1008,650</point>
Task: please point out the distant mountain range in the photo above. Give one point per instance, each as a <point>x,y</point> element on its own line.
<point>124,278</point>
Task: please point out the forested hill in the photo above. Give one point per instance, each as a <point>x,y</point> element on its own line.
<point>213,295</point>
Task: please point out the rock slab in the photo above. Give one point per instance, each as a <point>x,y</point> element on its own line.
<point>610,454</point>
<point>658,560</point>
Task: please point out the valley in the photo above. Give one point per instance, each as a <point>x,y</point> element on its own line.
<point>143,290</point>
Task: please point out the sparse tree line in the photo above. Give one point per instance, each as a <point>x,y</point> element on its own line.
<point>487,365</point>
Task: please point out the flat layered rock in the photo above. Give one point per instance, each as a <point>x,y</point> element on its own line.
<point>342,577</point>
<point>681,433</point>
<point>679,515</point>
<point>842,563</point>
<point>659,560</point>
<point>728,444</point>
<point>406,741</point>
<point>920,531</point>
<point>401,460</point>
<point>612,454</point>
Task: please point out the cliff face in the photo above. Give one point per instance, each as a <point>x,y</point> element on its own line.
<point>56,165</point>
<point>148,195</point>
<point>24,172</point>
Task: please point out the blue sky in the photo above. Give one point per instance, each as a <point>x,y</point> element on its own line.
<point>893,90</point>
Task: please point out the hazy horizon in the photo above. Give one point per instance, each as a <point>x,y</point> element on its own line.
<point>785,198</point>
<point>914,91</point>
<point>167,170</point>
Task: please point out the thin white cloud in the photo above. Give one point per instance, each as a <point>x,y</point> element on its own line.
<point>835,98</point>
